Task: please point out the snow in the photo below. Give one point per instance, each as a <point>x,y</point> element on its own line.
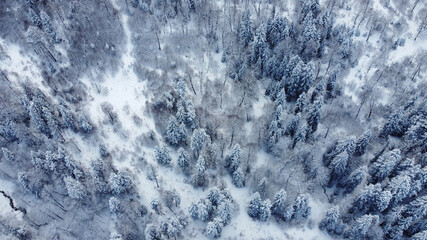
<point>258,106</point>
<point>19,67</point>
<point>244,227</point>
<point>5,208</point>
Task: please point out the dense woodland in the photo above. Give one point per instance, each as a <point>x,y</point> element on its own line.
<point>228,119</point>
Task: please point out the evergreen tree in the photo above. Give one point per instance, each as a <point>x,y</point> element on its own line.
<point>313,118</point>
<point>399,187</point>
<point>162,156</point>
<point>232,162</point>
<point>417,208</point>
<point>67,116</point>
<point>114,205</point>
<point>292,126</point>
<point>338,166</point>
<point>48,27</point>
<point>181,115</point>
<point>273,135</point>
<point>277,30</point>
<point>34,18</point>
<point>362,143</point>
<point>331,85</point>
<point>336,148</point>
<point>301,135</point>
<point>396,125</point>
<point>214,228</point>
<point>199,139</point>
<point>354,179</point>
<point>385,165</point>
<point>173,134</point>
<point>299,81</point>
<point>416,136</point>
<point>310,31</point>
<point>75,189</point>
<point>7,131</point>
<point>361,227</point>
<point>301,208</point>
<point>346,47</point>
<point>193,211</point>
<point>265,212</point>
<point>200,177</point>
<point>318,91</point>
<point>332,222</point>
<point>420,236</point>
<point>190,116</point>
<point>120,182</point>
<point>372,197</point>
<point>224,212</point>
<point>238,178</point>
<point>245,32</point>
<point>262,187</point>
<point>301,103</point>
<point>204,208</point>
<point>183,160</point>
<point>84,125</point>
<point>259,210</point>
<point>152,232</point>
<point>8,155</point>
<point>288,213</point>
<point>278,206</point>
<point>180,88</point>
<point>259,54</point>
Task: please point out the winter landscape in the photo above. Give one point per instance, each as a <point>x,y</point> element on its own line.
<point>213,119</point>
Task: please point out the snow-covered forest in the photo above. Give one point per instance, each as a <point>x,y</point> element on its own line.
<point>213,119</point>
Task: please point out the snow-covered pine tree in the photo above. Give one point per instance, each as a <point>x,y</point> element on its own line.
<point>225,212</point>
<point>8,155</point>
<point>173,134</point>
<point>355,178</point>
<point>385,165</point>
<point>238,178</point>
<point>114,205</point>
<point>338,167</point>
<point>200,177</point>
<point>183,160</point>
<point>301,135</point>
<point>232,162</point>
<point>396,125</point>
<point>199,139</point>
<point>7,131</point>
<point>318,91</point>
<point>258,209</point>
<point>332,222</point>
<point>331,84</point>
<point>300,80</point>
<point>362,143</point>
<point>162,156</point>
<point>314,114</point>
<point>361,227</point>
<point>292,126</point>
<point>301,103</point>
<point>120,182</point>
<point>301,208</point>
<point>214,229</point>
<point>277,30</point>
<point>399,187</point>
<point>279,201</point>
<point>34,18</point>
<point>245,32</point>
<point>75,188</point>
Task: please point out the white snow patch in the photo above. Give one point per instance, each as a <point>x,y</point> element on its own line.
<point>19,66</point>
